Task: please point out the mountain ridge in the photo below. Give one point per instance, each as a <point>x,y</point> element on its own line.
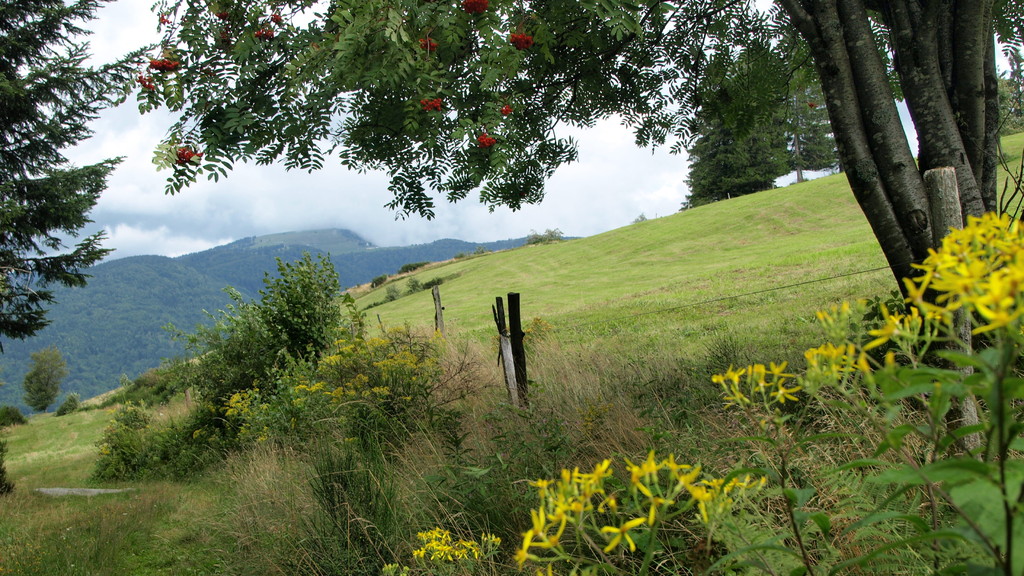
<point>115,324</point>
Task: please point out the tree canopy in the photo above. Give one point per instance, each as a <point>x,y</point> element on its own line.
<point>42,382</point>
<point>47,98</point>
<point>454,97</point>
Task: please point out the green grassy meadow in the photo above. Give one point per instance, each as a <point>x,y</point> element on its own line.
<point>635,320</point>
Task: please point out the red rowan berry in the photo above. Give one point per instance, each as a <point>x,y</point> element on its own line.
<point>485,141</point>
<point>506,110</point>
<point>276,18</point>
<point>186,154</point>
<point>475,6</point>
<point>264,34</point>
<point>428,44</point>
<point>521,41</point>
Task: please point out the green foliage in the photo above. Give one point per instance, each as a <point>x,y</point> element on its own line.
<point>391,293</point>
<point>42,383</point>
<point>547,237</point>
<point>10,416</point>
<point>413,286</point>
<point>70,404</point>
<point>411,267</point>
<point>152,388</point>
<point>1011,93</point>
<point>429,284</point>
<point>133,447</point>
<point>6,486</point>
<point>347,484</point>
<point>299,306</point>
<point>48,98</point>
<point>297,317</point>
<point>725,163</point>
<point>379,281</point>
<point>123,451</point>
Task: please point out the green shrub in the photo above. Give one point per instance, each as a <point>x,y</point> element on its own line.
<point>10,416</point>
<point>431,283</point>
<point>123,451</point>
<point>152,388</point>
<point>547,237</point>
<point>379,281</point>
<point>411,266</point>
<point>69,405</point>
<point>297,317</point>
<point>414,286</point>
<point>391,293</point>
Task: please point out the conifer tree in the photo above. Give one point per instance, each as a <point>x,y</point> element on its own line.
<point>47,97</point>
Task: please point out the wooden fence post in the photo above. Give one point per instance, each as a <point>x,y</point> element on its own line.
<point>506,359</point>
<point>515,328</point>
<point>944,205</point>
<point>438,311</point>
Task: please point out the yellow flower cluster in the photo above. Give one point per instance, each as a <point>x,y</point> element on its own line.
<point>439,546</point>
<point>658,490</point>
<point>980,268</point>
<point>756,383</point>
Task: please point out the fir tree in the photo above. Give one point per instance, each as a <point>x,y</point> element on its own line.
<point>47,97</point>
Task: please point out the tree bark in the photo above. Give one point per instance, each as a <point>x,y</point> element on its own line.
<point>873,150</point>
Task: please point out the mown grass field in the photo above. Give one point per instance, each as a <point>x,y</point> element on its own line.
<point>635,306</point>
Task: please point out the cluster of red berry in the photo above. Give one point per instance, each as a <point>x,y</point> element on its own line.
<point>276,18</point>
<point>521,41</point>
<point>429,105</point>
<point>474,6</point>
<point>264,34</point>
<point>164,19</point>
<point>185,155</point>
<point>147,82</point>
<point>428,44</point>
<point>506,110</point>
<point>812,105</point>
<point>222,15</point>
<point>485,141</point>
<point>164,65</point>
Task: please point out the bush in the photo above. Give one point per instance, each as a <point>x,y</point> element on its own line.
<point>152,388</point>
<point>9,416</point>
<point>391,293</point>
<point>414,286</point>
<point>378,281</point>
<point>123,450</point>
<point>547,237</point>
<point>298,317</point>
<point>6,486</point>
<point>432,282</point>
<point>69,405</point>
<point>411,266</point>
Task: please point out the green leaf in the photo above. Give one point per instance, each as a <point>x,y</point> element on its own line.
<point>799,496</point>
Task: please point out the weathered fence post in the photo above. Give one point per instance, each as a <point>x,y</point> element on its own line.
<point>438,311</point>
<point>515,328</point>
<point>944,205</point>
<point>506,358</point>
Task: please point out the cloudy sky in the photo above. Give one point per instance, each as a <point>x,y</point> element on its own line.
<point>612,183</point>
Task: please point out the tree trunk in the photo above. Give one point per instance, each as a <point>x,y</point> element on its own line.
<point>873,150</point>
<point>945,57</point>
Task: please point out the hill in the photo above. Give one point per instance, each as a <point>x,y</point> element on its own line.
<point>115,324</point>
<point>775,256</point>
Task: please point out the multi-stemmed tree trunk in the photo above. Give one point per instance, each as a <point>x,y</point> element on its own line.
<point>944,58</point>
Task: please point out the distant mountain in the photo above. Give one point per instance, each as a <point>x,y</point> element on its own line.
<point>115,324</point>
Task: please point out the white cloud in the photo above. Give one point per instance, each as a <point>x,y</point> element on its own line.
<point>129,241</point>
